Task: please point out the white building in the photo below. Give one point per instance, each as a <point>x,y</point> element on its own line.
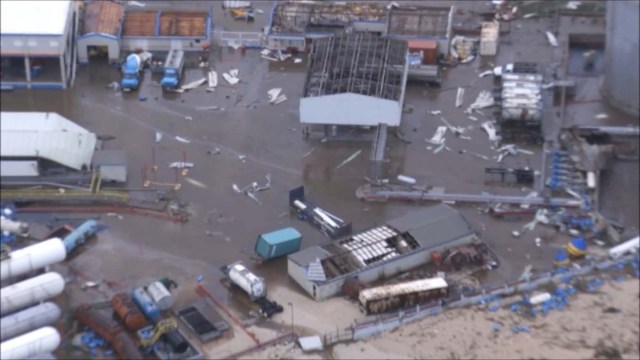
<point>37,44</point>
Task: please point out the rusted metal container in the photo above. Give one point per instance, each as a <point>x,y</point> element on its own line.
<point>109,330</point>
<point>128,312</point>
<point>352,287</point>
<point>428,48</point>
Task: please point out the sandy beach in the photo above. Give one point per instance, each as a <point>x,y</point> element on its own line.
<point>604,324</point>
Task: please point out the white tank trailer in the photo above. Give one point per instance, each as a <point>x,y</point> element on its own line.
<point>29,319</point>
<point>30,291</point>
<point>43,340</point>
<point>160,295</point>
<point>14,227</point>
<point>253,285</point>
<point>32,258</point>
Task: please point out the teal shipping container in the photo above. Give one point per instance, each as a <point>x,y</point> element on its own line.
<point>278,243</point>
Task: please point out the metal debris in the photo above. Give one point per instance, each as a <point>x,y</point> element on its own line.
<point>136,3</point>
<point>193,85</point>
<point>231,77</point>
<point>203,108</point>
<point>473,118</point>
<point>309,153</point>
<point>601,116</point>
<point>553,41</point>
<point>114,85</point>
<point>183,140</point>
<point>349,159</point>
<point>251,189</point>
<point>484,100</point>
<point>212,78</point>
<point>158,136</point>
<point>195,183</point>
<point>436,112</point>
<point>459,97</point>
<point>480,156</point>
<point>297,61</point>
<point>275,96</point>
<point>491,130</point>
<point>181,165</point>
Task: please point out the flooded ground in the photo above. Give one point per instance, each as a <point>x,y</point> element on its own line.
<point>269,138</point>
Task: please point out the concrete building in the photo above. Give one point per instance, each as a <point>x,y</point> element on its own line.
<point>47,147</point>
<point>622,56</point>
<point>293,25</point>
<point>100,30</point>
<point>355,79</point>
<point>37,44</point>
<point>384,251</point>
<point>165,30</point>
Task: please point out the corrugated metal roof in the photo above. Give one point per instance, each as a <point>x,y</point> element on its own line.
<point>402,288</point>
<point>433,225</point>
<point>308,255</point>
<point>47,136</point>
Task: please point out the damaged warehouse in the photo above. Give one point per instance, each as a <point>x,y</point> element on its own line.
<point>356,79</point>
<point>384,251</point>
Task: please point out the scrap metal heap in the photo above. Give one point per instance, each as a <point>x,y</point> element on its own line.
<point>358,63</point>
<point>522,102</point>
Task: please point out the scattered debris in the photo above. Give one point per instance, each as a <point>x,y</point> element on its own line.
<point>459,97</point>
<point>136,3</point>
<point>215,151</point>
<point>181,165</point>
<point>491,130</point>
<point>253,188</point>
<point>275,97</point>
<point>158,136</point>
<point>552,39</point>
<point>349,159</point>
<point>89,284</point>
<point>484,100</point>
<point>601,116</point>
<point>480,156</point>
<point>485,73</point>
<point>309,153</point>
<point>114,85</point>
<point>297,61</point>
<point>573,5</point>
<point>231,77</point>
<point>195,183</point>
<point>473,118</point>
<point>204,108</point>
<point>188,118</point>
<point>193,85</point>
<point>529,15</point>
<point>436,112</point>
<point>515,233</point>
<point>183,140</point>
<point>212,78</point>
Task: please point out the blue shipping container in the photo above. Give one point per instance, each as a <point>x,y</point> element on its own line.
<point>278,243</point>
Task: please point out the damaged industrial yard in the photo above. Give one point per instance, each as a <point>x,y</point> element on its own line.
<point>319,179</point>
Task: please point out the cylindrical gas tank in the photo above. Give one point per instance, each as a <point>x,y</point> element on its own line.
<point>561,259</point>
<point>30,291</point>
<point>14,227</point>
<point>146,304</point>
<point>29,319</point>
<point>160,295</point>
<point>33,257</point>
<point>43,340</point>
<point>577,247</point>
<point>127,311</point>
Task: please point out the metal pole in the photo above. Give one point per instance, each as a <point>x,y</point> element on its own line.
<point>292,329</point>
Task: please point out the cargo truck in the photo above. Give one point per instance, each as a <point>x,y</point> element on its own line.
<point>131,70</point>
<point>278,243</point>
<point>172,72</point>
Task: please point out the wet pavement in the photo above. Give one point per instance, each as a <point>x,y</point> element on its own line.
<point>136,249</point>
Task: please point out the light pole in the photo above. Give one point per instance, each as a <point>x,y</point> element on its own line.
<point>291,305</point>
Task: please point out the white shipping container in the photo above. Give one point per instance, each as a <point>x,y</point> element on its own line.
<point>489,39</point>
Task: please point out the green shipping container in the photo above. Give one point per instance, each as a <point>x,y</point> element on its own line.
<point>278,243</point>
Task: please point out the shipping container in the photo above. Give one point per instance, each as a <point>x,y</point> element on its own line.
<point>428,50</point>
<point>489,38</point>
<point>278,243</point>
<point>396,296</point>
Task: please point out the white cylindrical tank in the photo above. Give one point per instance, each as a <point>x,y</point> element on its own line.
<point>160,295</point>
<point>29,319</point>
<point>43,340</point>
<point>31,258</point>
<point>30,291</point>
<point>632,245</point>
<point>247,281</point>
<point>621,74</point>
<point>14,227</point>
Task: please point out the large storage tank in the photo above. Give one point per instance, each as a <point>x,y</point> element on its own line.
<point>29,319</point>
<point>31,258</point>
<point>30,291</point>
<point>160,295</point>
<point>43,340</point>
<point>621,73</point>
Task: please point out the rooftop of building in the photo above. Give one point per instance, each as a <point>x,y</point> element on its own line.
<point>425,228</point>
<point>159,23</point>
<point>48,136</point>
<point>419,21</point>
<point>34,17</point>
<point>357,63</point>
<point>102,17</point>
<point>300,17</point>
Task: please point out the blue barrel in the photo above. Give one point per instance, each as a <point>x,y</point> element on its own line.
<point>577,247</point>
<point>561,259</point>
<point>145,303</point>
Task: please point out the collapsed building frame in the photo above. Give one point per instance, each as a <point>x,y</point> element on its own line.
<point>355,79</point>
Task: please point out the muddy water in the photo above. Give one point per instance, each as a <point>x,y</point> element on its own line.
<point>270,138</point>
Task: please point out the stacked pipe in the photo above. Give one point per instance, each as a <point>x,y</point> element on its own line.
<point>109,330</point>
<point>151,311</point>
